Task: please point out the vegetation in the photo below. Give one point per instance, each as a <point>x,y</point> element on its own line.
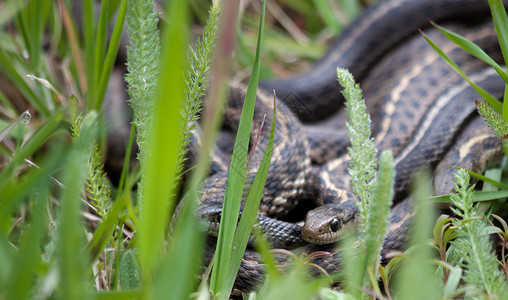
<point>68,233</point>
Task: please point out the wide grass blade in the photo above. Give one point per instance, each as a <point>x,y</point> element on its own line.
<point>164,145</point>
<point>378,215</point>
<point>27,262</point>
<point>234,186</point>
<point>417,279</point>
<point>185,252</point>
<point>496,104</point>
<point>12,194</point>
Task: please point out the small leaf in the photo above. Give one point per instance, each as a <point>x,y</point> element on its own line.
<point>130,277</point>
<point>503,223</point>
<point>450,288</point>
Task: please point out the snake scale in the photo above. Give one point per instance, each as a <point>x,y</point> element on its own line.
<point>421,110</point>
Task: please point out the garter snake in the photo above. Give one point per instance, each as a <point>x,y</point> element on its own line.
<point>420,107</point>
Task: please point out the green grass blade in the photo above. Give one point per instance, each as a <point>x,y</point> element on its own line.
<point>377,217</point>
<point>472,49</point>
<point>26,263</point>
<point>328,15</point>
<point>249,214</point>
<point>7,63</point>
<point>417,279</point>
<point>164,144</point>
<point>89,42</point>
<point>100,49</point>
<point>32,145</point>
<point>105,229</point>
<point>178,277</point>
<point>496,104</point>
<point>487,179</point>
<point>186,245</point>
<point>478,196</point>
<point>109,62</point>
<point>72,261</point>
<point>37,14</point>
<point>501,23</point>
<point>234,186</point>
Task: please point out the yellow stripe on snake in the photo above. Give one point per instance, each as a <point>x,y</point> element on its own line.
<point>421,110</point>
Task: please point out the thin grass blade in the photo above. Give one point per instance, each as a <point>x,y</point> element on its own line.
<point>72,261</point>
<point>9,68</point>
<point>501,23</point>
<point>234,187</point>
<point>112,50</point>
<point>31,146</point>
<point>488,180</point>
<point>249,213</point>
<point>496,104</point>
<point>472,49</point>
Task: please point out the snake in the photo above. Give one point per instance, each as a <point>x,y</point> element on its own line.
<point>421,110</point>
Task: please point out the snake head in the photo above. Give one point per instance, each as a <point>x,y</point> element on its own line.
<point>328,223</point>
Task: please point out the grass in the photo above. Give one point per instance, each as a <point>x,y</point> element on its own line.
<point>63,235</point>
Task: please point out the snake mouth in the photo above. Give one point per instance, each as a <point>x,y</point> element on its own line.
<point>314,237</point>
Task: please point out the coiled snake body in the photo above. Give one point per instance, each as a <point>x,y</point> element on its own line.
<point>422,111</point>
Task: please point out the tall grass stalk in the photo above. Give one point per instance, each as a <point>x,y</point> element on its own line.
<point>362,150</point>
<point>375,191</point>
<point>185,251</point>
<point>164,141</point>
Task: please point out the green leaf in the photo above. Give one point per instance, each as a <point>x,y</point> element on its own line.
<point>450,288</point>
<point>503,223</point>
<point>129,274</point>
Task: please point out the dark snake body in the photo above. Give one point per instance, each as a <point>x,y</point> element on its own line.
<point>421,110</point>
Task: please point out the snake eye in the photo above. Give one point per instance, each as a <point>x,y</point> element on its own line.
<point>334,224</point>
